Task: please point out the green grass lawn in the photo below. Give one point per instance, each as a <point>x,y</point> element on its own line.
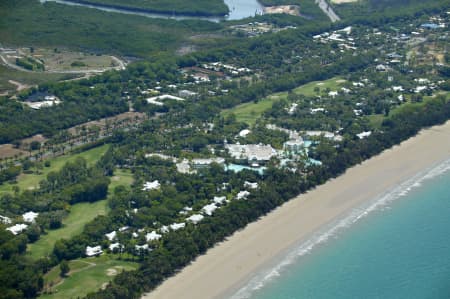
<point>31,181</point>
<point>250,112</point>
<point>410,105</point>
<point>79,215</point>
<point>308,89</point>
<point>121,177</point>
<point>86,275</point>
<point>73,224</point>
<point>376,120</point>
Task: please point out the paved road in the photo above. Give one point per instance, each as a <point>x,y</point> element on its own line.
<point>326,8</point>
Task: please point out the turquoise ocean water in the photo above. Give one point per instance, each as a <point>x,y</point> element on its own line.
<point>397,246</point>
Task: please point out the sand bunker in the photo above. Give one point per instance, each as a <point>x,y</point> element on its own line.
<point>111,272</point>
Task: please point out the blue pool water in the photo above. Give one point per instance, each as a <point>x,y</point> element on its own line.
<point>398,247</point>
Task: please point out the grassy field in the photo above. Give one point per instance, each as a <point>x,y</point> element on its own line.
<point>250,112</point>
<point>86,275</point>
<point>121,177</point>
<point>27,78</point>
<point>426,99</point>
<point>65,60</point>
<point>73,224</point>
<point>308,89</point>
<point>31,181</point>
<point>376,120</point>
<point>79,215</point>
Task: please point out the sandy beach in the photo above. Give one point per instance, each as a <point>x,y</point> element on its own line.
<point>230,264</point>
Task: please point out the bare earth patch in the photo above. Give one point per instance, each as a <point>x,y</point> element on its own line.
<point>8,151</point>
<point>19,86</point>
<point>283,9</point>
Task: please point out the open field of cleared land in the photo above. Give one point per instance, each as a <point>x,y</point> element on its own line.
<point>86,275</point>
<point>64,60</point>
<point>31,181</point>
<point>79,215</point>
<point>27,78</point>
<point>250,112</point>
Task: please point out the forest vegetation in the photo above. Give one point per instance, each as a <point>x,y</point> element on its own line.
<point>374,78</point>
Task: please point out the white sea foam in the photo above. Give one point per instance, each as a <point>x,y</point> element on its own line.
<point>381,203</point>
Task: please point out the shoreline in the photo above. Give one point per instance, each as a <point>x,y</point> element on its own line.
<point>228,266</point>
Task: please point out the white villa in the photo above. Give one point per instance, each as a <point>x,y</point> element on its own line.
<point>219,199</point>
<point>29,216</point>
<point>196,218</point>
<point>177,226</point>
<point>93,251</point>
<point>151,185</point>
<point>111,236</point>
<point>5,220</point>
<point>209,209</point>
<point>153,236</point>
<point>253,153</point>
<point>17,229</point>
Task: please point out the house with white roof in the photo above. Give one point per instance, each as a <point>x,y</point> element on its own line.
<point>153,236</point>
<point>244,133</point>
<point>5,220</point>
<point>242,194</point>
<point>111,236</point>
<point>29,216</point>
<point>209,209</point>
<point>151,185</point>
<point>114,246</point>
<point>177,226</point>
<point>250,185</point>
<point>363,135</point>
<point>17,229</point>
<point>219,199</point>
<point>93,251</point>
<point>196,218</point>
